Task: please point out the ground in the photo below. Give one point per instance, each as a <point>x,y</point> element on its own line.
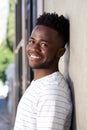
<point>5,118</point>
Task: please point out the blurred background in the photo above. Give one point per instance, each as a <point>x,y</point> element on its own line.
<point>7,37</point>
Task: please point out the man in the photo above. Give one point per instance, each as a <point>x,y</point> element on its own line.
<point>46,104</point>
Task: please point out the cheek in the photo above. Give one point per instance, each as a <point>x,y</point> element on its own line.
<point>51,52</point>
<point>50,55</point>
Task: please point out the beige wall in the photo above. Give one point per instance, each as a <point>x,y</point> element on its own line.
<point>75,59</point>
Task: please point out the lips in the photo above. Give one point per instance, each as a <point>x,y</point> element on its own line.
<point>34,56</point>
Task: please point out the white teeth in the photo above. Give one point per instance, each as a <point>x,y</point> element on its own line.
<point>34,56</point>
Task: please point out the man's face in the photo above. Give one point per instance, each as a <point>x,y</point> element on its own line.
<point>43,47</point>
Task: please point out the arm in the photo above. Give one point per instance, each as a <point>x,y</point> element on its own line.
<point>53,111</point>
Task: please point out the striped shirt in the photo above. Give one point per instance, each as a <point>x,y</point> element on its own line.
<point>45,105</point>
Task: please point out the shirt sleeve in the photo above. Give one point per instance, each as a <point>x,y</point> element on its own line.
<point>54,111</point>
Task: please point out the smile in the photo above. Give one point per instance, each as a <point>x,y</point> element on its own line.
<point>33,56</point>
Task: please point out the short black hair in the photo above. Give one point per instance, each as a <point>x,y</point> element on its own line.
<point>56,22</point>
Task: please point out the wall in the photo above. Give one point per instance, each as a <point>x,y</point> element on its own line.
<point>75,59</point>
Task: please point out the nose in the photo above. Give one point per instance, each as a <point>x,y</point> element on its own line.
<point>27,47</point>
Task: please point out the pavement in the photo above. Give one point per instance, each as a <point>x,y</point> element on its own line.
<point>5,117</point>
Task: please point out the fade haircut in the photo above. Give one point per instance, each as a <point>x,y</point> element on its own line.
<point>58,23</point>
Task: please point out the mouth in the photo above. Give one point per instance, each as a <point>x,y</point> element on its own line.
<point>34,56</point>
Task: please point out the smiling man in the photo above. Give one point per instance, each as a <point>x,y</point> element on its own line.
<point>46,104</point>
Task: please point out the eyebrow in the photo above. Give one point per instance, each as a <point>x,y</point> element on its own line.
<point>40,39</point>
<point>31,38</point>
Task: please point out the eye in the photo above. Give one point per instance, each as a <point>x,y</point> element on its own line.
<point>44,45</point>
<point>31,41</point>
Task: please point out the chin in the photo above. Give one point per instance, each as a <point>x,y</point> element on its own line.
<point>34,66</point>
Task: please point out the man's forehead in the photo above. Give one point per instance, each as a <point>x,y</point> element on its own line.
<point>44,30</point>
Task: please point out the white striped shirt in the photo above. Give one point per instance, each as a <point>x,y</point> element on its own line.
<point>46,105</point>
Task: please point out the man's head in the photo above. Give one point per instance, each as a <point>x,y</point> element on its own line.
<point>47,41</point>
<point>58,23</point>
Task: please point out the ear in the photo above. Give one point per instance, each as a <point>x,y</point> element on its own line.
<point>61,52</point>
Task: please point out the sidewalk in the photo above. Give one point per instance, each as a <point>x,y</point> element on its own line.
<point>5,118</point>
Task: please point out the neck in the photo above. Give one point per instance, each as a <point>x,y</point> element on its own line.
<point>39,73</point>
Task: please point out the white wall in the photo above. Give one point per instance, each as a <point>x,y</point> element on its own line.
<point>75,59</point>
